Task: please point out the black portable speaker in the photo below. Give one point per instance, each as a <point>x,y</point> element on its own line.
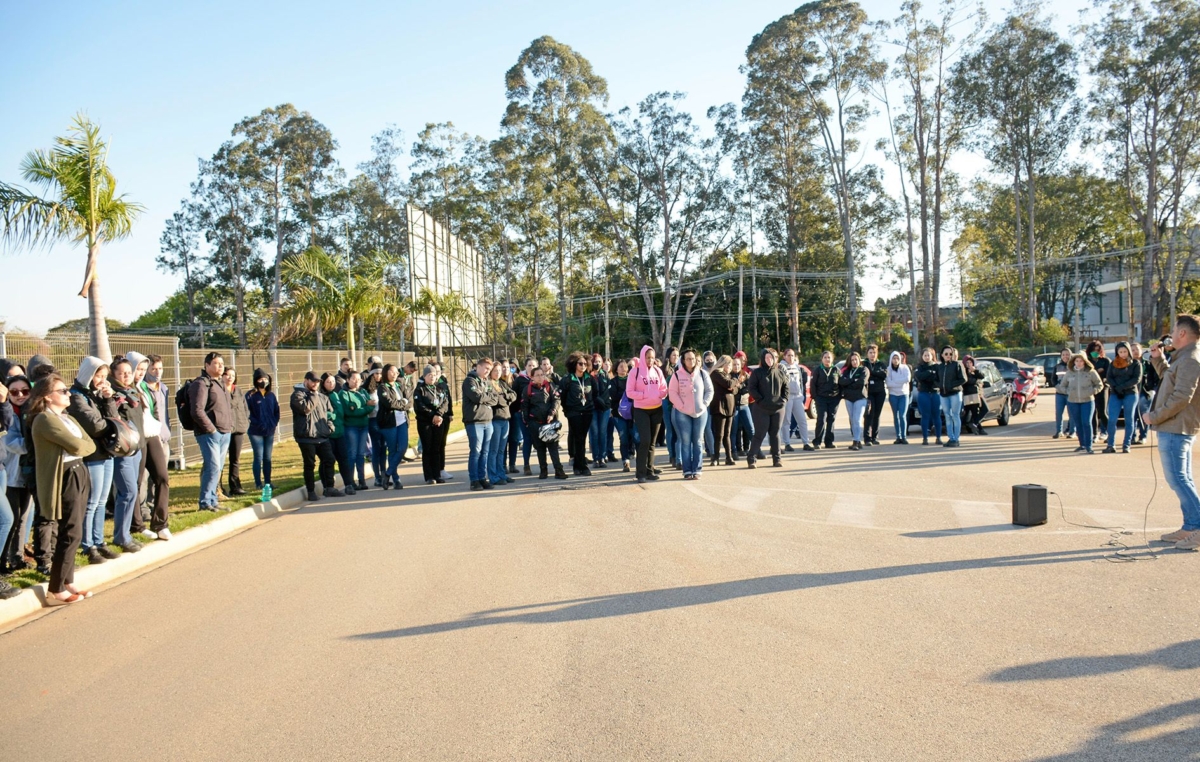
<point>1028,504</point>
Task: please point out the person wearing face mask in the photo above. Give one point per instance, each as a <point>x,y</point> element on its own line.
<point>794,413</point>
<point>601,410</point>
<point>157,449</point>
<point>853,386</point>
<point>827,395</point>
<point>708,361</point>
<point>1060,397</point>
<point>690,390</point>
<point>1100,362</point>
<point>1124,380</point>
<point>237,434</point>
<point>898,383</point>
<point>769,394</point>
<point>929,402</point>
<point>263,408</point>
<point>91,402</point>
<point>876,394</point>
<point>951,377</point>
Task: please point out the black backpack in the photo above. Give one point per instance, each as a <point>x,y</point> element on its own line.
<point>183,406</point>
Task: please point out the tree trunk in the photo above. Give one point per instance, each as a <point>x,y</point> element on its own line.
<point>98,345</point>
<point>1033,316</point>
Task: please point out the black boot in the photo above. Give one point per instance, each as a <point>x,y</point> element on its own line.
<point>559,473</point>
<point>543,473</point>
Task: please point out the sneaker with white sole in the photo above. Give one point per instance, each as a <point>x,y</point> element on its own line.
<point>148,534</point>
<point>1192,542</point>
<point>1179,535</point>
<point>164,534</point>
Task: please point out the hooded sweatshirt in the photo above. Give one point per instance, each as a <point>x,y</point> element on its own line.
<point>646,387</point>
<point>797,379</point>
<point>898,379</point>
<point>1124,376</point>
<point>690,393</point>
<point>89,409</point>
<point>263,406</point>
<point>155,400</point>
<point>768,386</point>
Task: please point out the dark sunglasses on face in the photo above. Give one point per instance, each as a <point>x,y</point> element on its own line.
<point>19,392</point>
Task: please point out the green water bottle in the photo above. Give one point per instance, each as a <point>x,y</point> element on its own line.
<point>266,493</point>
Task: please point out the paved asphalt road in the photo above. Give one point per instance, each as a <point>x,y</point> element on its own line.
<point>873,605</point>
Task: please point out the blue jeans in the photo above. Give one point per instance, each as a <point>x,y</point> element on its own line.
<point>899,403</point>
<point>610,437</point>
<point>479,438</point>
<point>1115,405</point>
<point>708,435</point>
<point>952,409</point>
<point>856,409</point>
<point>395,441</point>
<point>213,448</point>
<point>378,449</point>
<point>669,433</point>
<point>742,418</point>
<point>1081,416</point>
<point>1144,403</point>
<point>1176,453</point>
<point>497,451</point>
<point>125,476</point>
<point>689,438</point>
<point>101,473</point>
<point>262,448</point>
<point>629,437</point>
<point>1060,407</point>
<point>6,512</point>
<point>516,434</point>
<point>930,407</point>
<point>598,434</point>
<point>356,448</point>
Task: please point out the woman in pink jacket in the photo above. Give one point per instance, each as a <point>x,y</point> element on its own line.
<point>691,392</point>
<point>646,389</point>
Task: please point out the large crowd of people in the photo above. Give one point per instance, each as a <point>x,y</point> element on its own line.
<point>74,449</point>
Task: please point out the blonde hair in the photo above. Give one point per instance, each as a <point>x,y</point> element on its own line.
<point>724,361</point>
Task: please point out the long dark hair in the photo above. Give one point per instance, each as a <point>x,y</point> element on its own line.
<point>41,391</point>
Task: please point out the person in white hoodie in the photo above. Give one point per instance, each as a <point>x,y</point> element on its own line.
<point>898,383</point>
<point>797,395</point>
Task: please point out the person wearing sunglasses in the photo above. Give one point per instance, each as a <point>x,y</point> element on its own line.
<point>15,467</point>
<point>63,483</point>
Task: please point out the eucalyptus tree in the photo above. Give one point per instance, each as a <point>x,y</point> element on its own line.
<point>823,58</point>
<point>554,103</point>
<point>178,253</point>
<point>664,199</point>
<point>313,177</point>
<point>1018,88</point>
<point>1145,112</point>
<point>79,204</point>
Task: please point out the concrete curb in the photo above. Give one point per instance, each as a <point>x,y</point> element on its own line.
<point>31,603</point>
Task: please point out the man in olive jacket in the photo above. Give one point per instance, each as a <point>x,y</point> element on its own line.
<point>312,427</point>
<point>1176,418</point>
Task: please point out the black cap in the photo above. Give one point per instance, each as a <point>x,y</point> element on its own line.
<point>312,376</point>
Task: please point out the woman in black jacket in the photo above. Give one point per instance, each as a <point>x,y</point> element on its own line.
<point>951,377</point>
<point>90,404</point>
<point>501,378</point>
<point>929,402</point>
<point>625,428</point>
<point>578,391</point>
<point>723,407</point>
<point>540,407</point>
<point>1124,381</point>
<point>601,404</point>
<point>852,386</point>
<point>431,404</point>
<point>972,410</point>
<point>768,385</point>
<point>1100,363</point>
<point>132,410</point>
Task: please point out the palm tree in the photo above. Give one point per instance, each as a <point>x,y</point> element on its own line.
<point>80,205</point>
<point>449,308</point>
<point>327,292</point>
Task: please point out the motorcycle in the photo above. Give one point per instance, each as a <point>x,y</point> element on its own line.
<point>1025,391</point>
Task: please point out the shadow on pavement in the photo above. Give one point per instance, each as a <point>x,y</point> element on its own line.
<point>1179,656</point>
<point>960,531</point>
<point>624,604</point>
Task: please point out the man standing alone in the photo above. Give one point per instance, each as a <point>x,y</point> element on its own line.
<point>1176,418</point>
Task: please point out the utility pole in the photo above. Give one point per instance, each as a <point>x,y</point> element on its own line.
<point>741,298</point>
<point>1077,297</point>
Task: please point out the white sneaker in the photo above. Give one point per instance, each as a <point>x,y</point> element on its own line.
<point>148,534</point>
<point>447,475</point>
<point>164,534</point>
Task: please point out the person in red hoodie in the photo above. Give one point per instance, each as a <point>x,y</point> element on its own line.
<point>646,389</point>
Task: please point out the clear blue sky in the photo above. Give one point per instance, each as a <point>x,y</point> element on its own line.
<point>168,80</point>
